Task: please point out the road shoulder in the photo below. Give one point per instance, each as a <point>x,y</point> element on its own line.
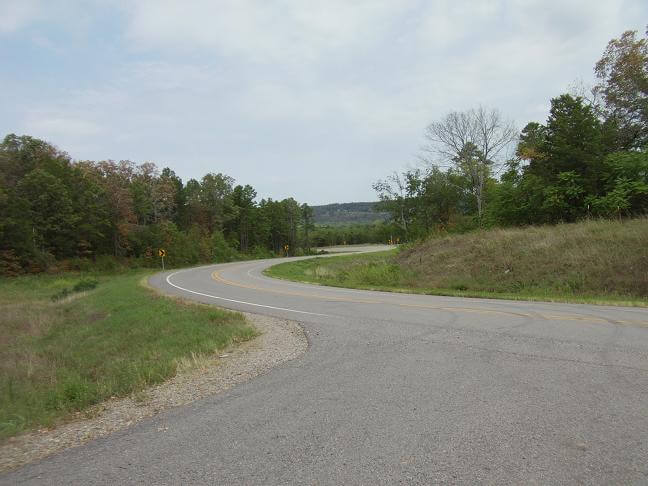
<point>279,341</point>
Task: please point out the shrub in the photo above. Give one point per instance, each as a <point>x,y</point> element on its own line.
<point>261,252</point>
<point>10,263</point>
<point>61,294</point>
<point>85,284</point>
<point>77,264</point>
<point>107,263</point>
<point>81,286</point>
<point>220,250</point>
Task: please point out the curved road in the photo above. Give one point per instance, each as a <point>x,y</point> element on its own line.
<point>397,388</point>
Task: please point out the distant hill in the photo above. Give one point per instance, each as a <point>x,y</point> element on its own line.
<point>348,213</point>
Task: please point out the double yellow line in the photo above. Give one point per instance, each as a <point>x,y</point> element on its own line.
<point>478,310</point>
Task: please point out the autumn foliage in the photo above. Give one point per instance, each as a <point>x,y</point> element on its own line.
<point>56,213</point>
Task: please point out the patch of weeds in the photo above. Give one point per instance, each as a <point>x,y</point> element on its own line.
<point>141,397</point>
<point>61,294</point>
<point>193,361</point>
<point>575,282</point>
<point>322,271</point>
<point>12,425</point>
<point>85,284</point>
<point>81,286</point>
<point>459,285</point>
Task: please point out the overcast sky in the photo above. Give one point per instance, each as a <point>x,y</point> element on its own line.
<point>310,99</point>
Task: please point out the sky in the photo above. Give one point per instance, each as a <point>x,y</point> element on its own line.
<point>314,100</point>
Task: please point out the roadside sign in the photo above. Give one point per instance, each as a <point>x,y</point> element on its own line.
<point>162,253</point>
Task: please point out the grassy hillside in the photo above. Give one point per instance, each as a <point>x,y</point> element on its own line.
<point>605,261</point>
<point>63,350</point>
<point>348,213</point>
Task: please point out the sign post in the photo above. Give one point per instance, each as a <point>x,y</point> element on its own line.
<point>162,253</point>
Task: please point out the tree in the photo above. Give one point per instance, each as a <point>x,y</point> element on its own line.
<point>307,223</point>
<point>470,163</point>
<point>623,75</point>
<point>215,198</point>
<point>625,177</point>
<point>116,179</point>
<point>164,198</point>
<point>572,142</point>
<point>518,198</point>
<point>50,212</point>
<point>244,206</point>
<point>433,196</point>
<point>292,214</point>
<point>178,213</point>
<point>92,209</point>
<point>141,186</point>
<point>21,155</point>
<point>195,212</point>
<point>53,207</point>
<point>563,200</point>
<point>441,196</point>
<point>564,167</point>
<point>16,240</point>
<point>392,193</point>
<point>27,220</point>
<point>474,142</point>
<point>531,144</point>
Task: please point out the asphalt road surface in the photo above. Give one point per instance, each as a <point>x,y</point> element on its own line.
<point>397,389</point>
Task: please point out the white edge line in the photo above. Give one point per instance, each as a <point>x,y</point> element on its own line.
<point>238,301</point>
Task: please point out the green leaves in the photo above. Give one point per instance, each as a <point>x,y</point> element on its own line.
<point>53,208</point>
<point>623,75</point>
<point>563,201</point>
<point>50,212</point>
<point>626,185</point>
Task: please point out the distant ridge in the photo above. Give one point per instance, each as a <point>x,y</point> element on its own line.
<point>348,213</point>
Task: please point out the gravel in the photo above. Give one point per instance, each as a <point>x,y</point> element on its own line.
<point>279,341</point>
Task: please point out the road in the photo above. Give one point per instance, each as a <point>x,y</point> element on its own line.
<point>397,388</point>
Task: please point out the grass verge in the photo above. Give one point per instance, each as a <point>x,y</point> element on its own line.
<point>599,262</point>
<point>60,356</point>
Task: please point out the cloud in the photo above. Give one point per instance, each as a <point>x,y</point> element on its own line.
<point>63,130</point>
<point>288,31</point>
<point>15,14</point>
<point>247,87</point>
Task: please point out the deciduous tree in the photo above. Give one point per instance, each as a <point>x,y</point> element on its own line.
<point>623,75</point>
<point>475,142</point>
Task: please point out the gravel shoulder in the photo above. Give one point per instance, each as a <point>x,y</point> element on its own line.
<point>279,341</point>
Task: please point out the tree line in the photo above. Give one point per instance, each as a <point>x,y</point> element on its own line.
<point>589,159</point>
<point>54,209</point>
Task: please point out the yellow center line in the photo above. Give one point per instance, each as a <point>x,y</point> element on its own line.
<point>478,310</point>
<point>579,318</point>
<point>216,276</point>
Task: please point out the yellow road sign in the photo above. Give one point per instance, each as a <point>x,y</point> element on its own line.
<point>162,252</point>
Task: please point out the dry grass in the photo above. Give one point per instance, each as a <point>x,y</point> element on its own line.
<point>592,261</point>
<point>193,361</point>
<point>594,257</point>
<point>20,323</point>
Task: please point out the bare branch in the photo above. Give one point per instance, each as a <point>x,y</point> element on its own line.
<point>473,141</point>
